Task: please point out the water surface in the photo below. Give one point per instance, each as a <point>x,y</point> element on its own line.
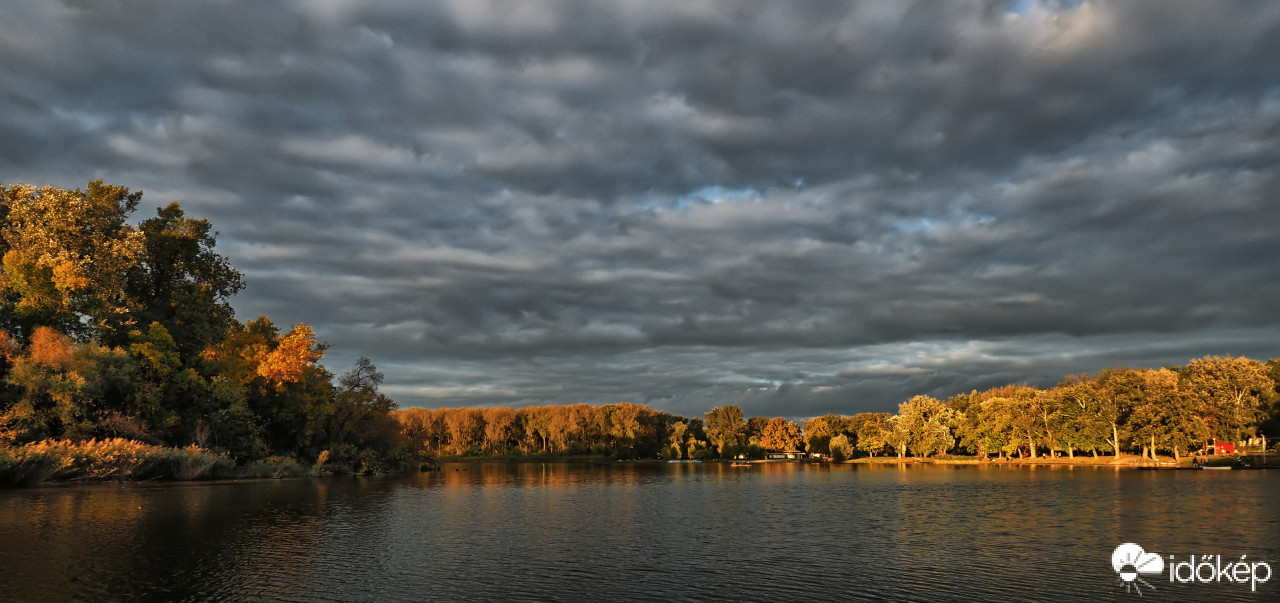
<point>711,532</point>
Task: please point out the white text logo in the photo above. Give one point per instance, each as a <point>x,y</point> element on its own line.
<point>1131,562</point>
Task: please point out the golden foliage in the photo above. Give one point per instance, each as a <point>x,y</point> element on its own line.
<point>108,458</point>
<point>64,243</point>
<point>289,361</point>
<point>780,434</point>
<point>51,349</point>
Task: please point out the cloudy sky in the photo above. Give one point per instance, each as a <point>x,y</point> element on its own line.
<point>796,207</point>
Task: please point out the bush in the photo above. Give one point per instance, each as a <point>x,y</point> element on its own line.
<point>841,448</point>
<point>192,462</point>
<point>273,466</point>
<point>601,449</point>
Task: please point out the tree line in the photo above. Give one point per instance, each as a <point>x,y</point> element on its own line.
<point>1172,410</point>
<point>111,330</point>
<point>623,430</point>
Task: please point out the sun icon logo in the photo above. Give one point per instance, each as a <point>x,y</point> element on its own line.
<point>1130,561</point>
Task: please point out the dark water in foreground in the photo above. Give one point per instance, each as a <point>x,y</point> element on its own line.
<point>555,532</point>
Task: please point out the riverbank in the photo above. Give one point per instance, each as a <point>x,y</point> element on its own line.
<point>1125,460</point>
<point>118,459</point>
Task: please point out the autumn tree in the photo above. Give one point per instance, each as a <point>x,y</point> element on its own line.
<point>927,421</point>
<point>898,435</point>
<point>725,428</point>
<point>466,429</point>
<point>780,434</point>
<point>1230,392</point>
<point>1079,422</point>
<point>51,377</point>
<point>818,432</point>
<point>873,432</point>
<point>676,440</point>
<point>499,429</point>
<point>66,255</point>
<point>1119,391</point>
<point>286,388</point>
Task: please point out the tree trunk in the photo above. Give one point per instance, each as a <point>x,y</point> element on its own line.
<point>1115,441</point>
<point>1094,452</point>
<point>1153,447</point>
<point>1071,452</point>
<point>1176,457</point>
<point>1032,445</point>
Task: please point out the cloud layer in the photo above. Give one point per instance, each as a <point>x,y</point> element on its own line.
<point>799,208</point>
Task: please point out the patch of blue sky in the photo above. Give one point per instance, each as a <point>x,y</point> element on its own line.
<point>924,224</point>
<point>707,195</point>
<point>87,122</point>
<point>1022,7</point>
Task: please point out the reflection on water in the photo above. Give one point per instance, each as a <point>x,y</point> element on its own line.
<point>627,532</point>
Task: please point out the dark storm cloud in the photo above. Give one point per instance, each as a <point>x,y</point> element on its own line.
<point>798,208</point>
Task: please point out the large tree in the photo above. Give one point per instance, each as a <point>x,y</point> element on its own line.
<point>66,256</point>
<point>1230,391</point>
<point>726,429</point>
<point>780,434</point>
<point>180,282</point>
<point>928,423</point>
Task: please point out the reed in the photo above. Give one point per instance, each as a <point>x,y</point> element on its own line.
<point>105,459</point>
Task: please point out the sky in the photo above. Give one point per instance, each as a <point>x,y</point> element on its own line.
<point>796,207</point>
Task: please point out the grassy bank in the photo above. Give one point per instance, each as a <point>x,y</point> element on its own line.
<point>115,459</point>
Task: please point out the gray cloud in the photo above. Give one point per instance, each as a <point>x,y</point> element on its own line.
<point>799,208</point>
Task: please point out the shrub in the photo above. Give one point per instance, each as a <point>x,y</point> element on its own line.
<point>192,462</point>
<point>601,449</point>
<point>273,466</point>
<point>841,448</point>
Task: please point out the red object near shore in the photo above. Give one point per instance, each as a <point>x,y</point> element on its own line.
<point>1223,448</point>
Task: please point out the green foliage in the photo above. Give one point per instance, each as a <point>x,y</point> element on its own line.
<point>703,454</point>
<point>180,283</point>
<point>725,429</point>
<point>928,422</point>
<point>274,466</point>
<point>65,257</point>
<point>818,432</point>
<point>840,448</point>
<point>873,434</point>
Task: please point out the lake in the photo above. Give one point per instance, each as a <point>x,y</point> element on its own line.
<point>709,532</point>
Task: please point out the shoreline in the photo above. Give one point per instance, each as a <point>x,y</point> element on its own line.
<point>1124,462</point>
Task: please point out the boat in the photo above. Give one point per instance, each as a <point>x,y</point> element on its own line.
<point>1216,467</point>
<point>746,464</point>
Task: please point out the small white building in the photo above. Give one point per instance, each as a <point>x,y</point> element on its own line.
<point>786,455</point>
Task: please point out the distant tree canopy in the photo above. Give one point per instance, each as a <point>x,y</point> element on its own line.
<point>112,330</point>
<point>1173,410</point>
